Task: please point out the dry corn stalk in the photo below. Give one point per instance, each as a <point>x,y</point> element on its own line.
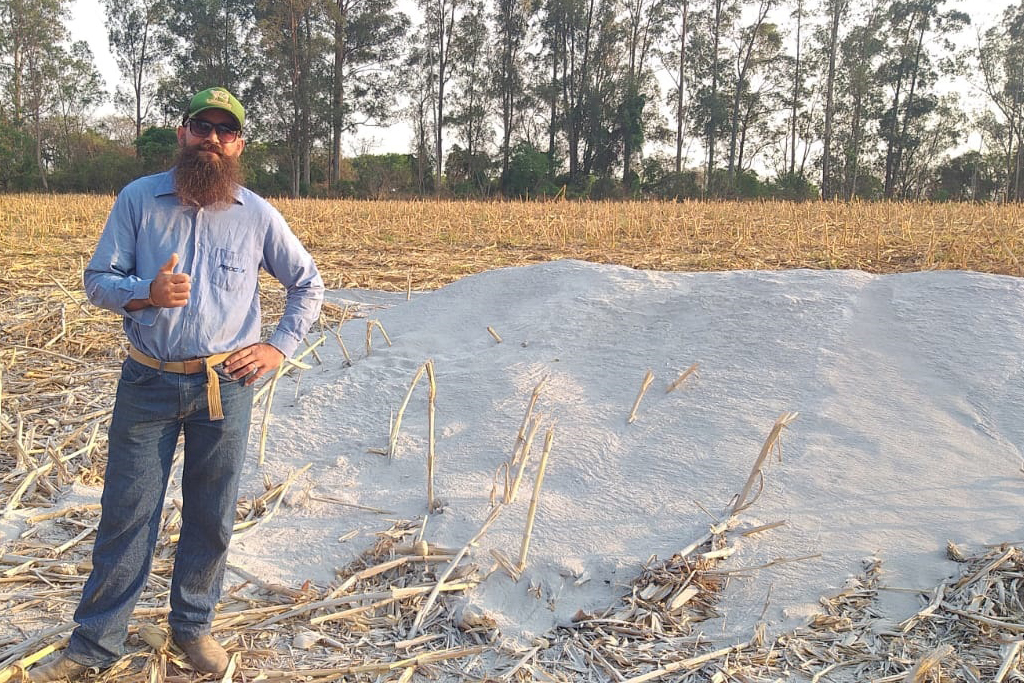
<point>265,424</point>
<point>682,378</point>
<point>374,667</point>
<point>431,400</point>
<point>396,424</point>
<point>548,438</point>
<point>930,661</point>
<point>24,663</point>
<point>520,437</point>
<point>418,621</point>
<point>337,333</point>
<point>1010,660</point>
<point>370,324</point>
<point>757,472</point>
<point>524,455</point>
<point>648,378</point>
<point>278,492</point>
<point>688,665</point>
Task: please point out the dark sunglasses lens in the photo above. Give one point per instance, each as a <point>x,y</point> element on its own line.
<point>202,129</point>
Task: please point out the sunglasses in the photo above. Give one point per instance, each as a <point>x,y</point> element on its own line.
<point>202,129</point>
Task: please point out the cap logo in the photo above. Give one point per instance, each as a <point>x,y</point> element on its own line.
<point>219,97</point>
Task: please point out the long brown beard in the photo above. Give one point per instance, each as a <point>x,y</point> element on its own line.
<point>206,179</point>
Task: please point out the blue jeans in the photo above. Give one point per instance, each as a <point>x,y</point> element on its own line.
<point>151,409</point>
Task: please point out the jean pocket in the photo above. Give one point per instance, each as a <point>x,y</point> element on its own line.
<point>135,373</point>
<point>230,269</point>
<point>223,374</point>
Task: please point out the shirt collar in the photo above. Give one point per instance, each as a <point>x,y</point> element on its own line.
<point>165,186</point>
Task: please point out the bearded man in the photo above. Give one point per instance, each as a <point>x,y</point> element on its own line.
<point>179,259</point>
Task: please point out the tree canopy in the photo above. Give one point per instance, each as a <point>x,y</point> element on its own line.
<point>672,99</point>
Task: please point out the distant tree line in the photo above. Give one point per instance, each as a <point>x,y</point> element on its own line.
<point>795,99</point>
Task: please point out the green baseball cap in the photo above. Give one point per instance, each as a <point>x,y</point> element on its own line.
<point>216,98</point>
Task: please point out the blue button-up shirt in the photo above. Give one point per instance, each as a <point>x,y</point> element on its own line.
<point>222,249</point>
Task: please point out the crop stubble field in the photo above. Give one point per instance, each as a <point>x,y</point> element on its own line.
<point>59,356</point>
<point>382,244</point>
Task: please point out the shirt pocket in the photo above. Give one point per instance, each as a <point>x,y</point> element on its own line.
<point>230,270</point>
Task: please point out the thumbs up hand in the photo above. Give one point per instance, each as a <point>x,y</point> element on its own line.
<point>170,289</point>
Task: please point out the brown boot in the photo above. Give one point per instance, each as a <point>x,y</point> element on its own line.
<point>205,653</point>
<point>63,668</point>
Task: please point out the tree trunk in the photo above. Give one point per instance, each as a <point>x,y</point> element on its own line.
<point>1017,127</point>
<point>796,89</point>
<point>742,141</point>
<point>438,137</point>
<point>137,82</point>
<point>741,77</point>
<point>632,77</point>
<point>1011,125</point>
<point>893,141</point>
<point>679,87</point>
<point>421,149</point>
<point>1018,195</point>
<point>744,66</point>
<point>571,113</point>
<point>39,153</point>
<point>713,122</point>
<point>552,123</point>
<point>19,64</point>
<point>853,164</point>
<point>445,27</point>
<point>898,160</point>
<point>627,130</point>
<point>826,163</point>
<point>138,110</point>
<point>338,89</point>
<point>509,83</point>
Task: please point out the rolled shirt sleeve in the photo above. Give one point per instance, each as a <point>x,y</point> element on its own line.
<point>287,260</point>
<point>110,279</point>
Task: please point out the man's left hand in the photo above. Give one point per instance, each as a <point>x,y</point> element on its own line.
<point>253,362</point>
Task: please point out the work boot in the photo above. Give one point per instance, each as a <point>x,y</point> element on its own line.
<point>63,668</point>
<point>205,654</point>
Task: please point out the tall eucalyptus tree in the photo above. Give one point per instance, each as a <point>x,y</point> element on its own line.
<point>138,42</point>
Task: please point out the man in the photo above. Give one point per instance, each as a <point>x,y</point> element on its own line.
<point>179,259</point>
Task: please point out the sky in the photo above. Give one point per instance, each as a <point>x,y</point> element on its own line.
<point>87,24</point>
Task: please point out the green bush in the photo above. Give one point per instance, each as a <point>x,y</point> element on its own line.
<point>106,170</point>
<point>17,160</point>
<point>468,175</point>
<point>384,175</point>
<point>659,182</point>
<point>793,187</point>
<point>577,187</point>
<point>264,174</point>
<point>607,187</point>
<point>156,149</point>
<point>528,173</point>
<point>748,186</point>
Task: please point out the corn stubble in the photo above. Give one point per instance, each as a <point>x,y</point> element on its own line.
<point>397,609</point>
<point>404,245</point>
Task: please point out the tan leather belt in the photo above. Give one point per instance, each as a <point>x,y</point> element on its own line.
<point>191,367</point>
